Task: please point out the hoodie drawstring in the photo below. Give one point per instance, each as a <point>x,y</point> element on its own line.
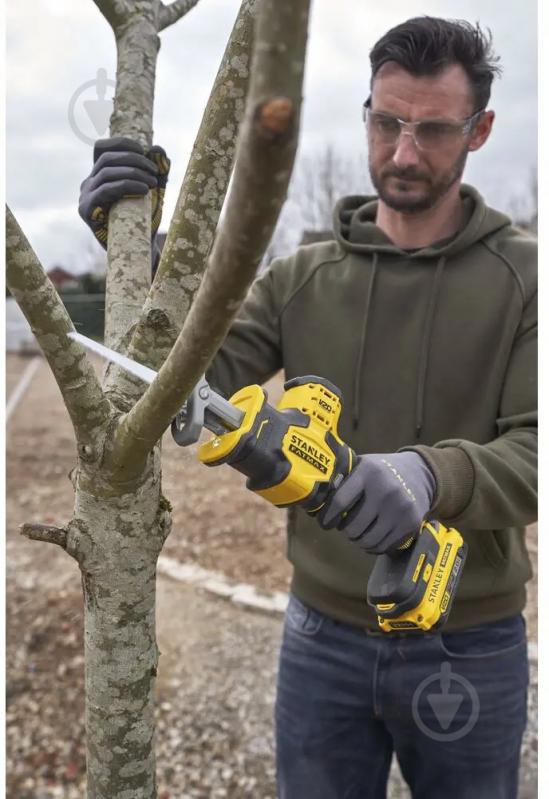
<point>362,347</point>
<point>426,344</point>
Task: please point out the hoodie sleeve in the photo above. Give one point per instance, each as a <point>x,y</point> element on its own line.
<point>494,485</point>
<point>251,352</point>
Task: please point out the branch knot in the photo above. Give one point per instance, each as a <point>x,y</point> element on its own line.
<point>158,319</point>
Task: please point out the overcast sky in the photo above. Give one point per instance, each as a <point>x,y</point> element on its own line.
<point>56,46</point>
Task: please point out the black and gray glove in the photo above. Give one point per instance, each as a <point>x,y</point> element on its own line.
<point>382,502</point>
<point>122,168</point>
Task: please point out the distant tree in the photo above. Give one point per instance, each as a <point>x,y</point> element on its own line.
<point>323,177</point>
<point>523,207</point>
<point>320,178</point>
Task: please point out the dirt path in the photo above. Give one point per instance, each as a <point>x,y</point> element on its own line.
<point>218,664</point>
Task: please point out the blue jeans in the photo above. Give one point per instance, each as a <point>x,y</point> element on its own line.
<point>451,705</point>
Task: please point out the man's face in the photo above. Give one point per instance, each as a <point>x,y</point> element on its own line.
<point>406,178</point>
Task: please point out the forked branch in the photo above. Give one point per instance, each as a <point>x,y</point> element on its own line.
<point>174,11</point>
<point>265,156</point>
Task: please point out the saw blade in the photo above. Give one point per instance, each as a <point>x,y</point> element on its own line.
<point>133,367</point>
<point>209,409</point>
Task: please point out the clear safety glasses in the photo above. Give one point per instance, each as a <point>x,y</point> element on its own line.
<point>427,134</point>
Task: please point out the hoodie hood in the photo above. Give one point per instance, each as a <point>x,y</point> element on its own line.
<point>356,231</point>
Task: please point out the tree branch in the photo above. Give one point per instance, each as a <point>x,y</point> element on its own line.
<point>266,151</point>
<point>129,249</point>
<point>45,532</point>
<point>170,14</point>
<point>196,215</point>
<point>87,406</point>
<point>115,12</point>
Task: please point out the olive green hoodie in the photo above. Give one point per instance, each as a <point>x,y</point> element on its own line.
<point>433,349</point>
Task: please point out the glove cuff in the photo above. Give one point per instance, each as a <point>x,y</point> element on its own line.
<point>454,475</point>
<point>99,224</point>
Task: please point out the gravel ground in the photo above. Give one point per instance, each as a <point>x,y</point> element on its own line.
<point>218,665</point>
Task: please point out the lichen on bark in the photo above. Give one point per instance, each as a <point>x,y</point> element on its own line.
<point>119,538</point>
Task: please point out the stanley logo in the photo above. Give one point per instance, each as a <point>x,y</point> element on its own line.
<point>309,453</point>
<point>439,576</point>
<point>435,587</point>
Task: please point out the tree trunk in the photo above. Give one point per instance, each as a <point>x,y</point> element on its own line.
<point>121,519</point>
<point>116,540</point>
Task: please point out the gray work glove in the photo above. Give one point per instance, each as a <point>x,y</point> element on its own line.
<point>122,169</point>
<point>382,502</point>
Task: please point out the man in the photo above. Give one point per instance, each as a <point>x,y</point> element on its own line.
<point>423,312</point>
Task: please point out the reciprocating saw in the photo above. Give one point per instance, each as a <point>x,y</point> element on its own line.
<point>293,455</point>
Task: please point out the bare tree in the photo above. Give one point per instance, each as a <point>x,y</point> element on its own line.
<point>523,206</point>
<point>121,519</point>
<point>319,180</point>
<point>323,177</point>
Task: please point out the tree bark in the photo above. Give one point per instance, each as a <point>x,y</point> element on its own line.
<point>116,540</point>
<point>129,247</point>
<point>28,283</point>
<point>115,536</point>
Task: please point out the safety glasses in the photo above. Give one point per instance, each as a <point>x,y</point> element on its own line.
<point>427,134</point>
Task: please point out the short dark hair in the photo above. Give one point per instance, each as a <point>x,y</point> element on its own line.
<point>427,45</point>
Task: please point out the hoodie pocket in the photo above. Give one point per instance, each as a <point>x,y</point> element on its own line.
<point>492,548</point>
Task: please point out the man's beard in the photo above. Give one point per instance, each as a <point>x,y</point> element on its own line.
<point>435,189</point>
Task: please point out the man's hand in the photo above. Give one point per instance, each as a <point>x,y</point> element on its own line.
<point>122,169</point>
<point>382,502</point>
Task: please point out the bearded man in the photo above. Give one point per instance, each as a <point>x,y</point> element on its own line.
<point>423,311</point>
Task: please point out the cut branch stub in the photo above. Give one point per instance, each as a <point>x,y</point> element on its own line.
<point>273,118</point>
<point>45,532</point>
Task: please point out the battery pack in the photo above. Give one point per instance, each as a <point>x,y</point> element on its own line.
<point>413,589</point>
